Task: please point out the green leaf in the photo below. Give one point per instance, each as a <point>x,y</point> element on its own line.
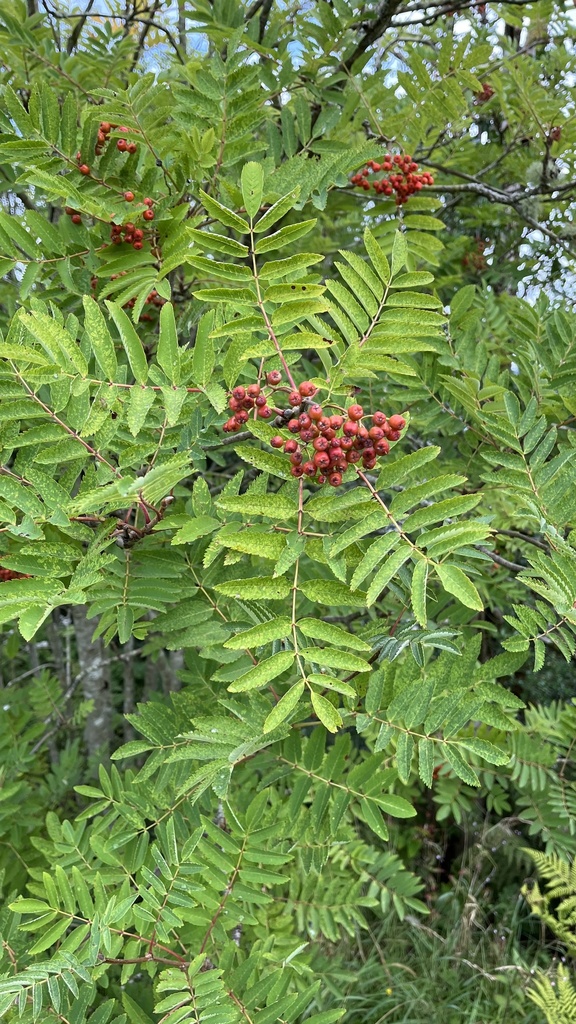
<point>460,767</point>
<point>263,673</point>
<point>316,629</point>
<point>277,210</point>
<point>328,657</point>
<point>457,583</point>
<point>404,754</point>
<point>24,906</point>
<point>284,236</point>
<point>416,279</point>
<point>331,593</point>
<point>273,506</point>
<point>199,527</point>
<point>132,345</point>
<point>51,936</point>
<point>373,556</point>
<point>99,336</point>
<point>326,712</point>
<point>386,572</point>
<point>220,243</point>
<point>377,256</point>
<point>396,806</point>
<point>373,818</point>
<point>265,461</point>
<point>203,351</point>
<point>223,214</point>
<point>284,707</point>
<point>263,633</point>
<point>140,402</point>
<point>125,623</point>
<point>426,761</point>
<point>274,270</point>
<point>399,254</point>
<point>405,466</point>
<point>485,750</point>
<point>418,592</point>
<point>252,184</point>
<point>167,352</point>
<point>56,341</point>
<point>264,588</point>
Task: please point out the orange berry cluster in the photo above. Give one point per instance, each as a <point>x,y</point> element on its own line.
<point>104,133</point>
<point>327,444</point>
<point>404,181</point>
<point>128,232</point>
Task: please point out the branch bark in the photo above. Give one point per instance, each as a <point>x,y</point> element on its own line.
<point>95,685</point>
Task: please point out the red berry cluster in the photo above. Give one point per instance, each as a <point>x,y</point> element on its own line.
<point>404,181</point>
<point>475,259</point>
<point>328,444</point>
<point>104,130</point>
<point>153,299</point>
<point>128,232</point>
<point>74,215</point>
<point>486,93</point>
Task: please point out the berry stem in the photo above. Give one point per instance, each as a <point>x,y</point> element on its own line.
<point>267,321</point>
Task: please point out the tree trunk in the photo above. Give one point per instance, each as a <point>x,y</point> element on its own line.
<point>94,680</point>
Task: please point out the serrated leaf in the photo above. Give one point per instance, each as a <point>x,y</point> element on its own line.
<point>264,633</point>
<point>132,345</point>
<point>316,629</point>
<point>167,352</point>
<point>486,750</point>
<point>198,527</point>
<point>329,657</point>
<point>326,712</point>
<point>140,402</point>
<point>265,461</point>
<point>223,214</point>
<point>415,279</point>
<point>457,583</point>
<point>273,506</point>
<point>284,236</point>
<point>396,806</point>
<point>263,673</point>
<point>426,761</point>
<point>377,256</point>
<point>331,593</point>
<point>265,588</point>
<point>100,340</point>
<point>203,351</point>
<point>386,572</point>
<point>284,707</point>
<point>277,210</point>
<point>252,183</point>
<point>418,592</point>
<point>399,254</point>
<point>459,766</point>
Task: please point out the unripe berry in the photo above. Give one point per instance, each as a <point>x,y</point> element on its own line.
<point>148,215</point>
<point>335,479</point>
<point>277,441</point>
<point>397,422</point>
<point>350,428</point>
<point>294,398</point>
<point>129,197</point>
<point>274,377</point>
<point>290,447</point>
<point>355,412</point>
<point>307,389</point>
<point>84,169</point>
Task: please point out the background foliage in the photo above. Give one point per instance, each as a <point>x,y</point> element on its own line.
<point>273,751</point>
